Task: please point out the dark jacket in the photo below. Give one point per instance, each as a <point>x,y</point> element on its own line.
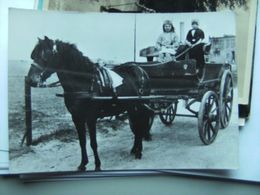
<point>199,34</point>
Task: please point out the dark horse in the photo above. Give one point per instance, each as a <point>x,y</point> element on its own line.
<point>81,80</point>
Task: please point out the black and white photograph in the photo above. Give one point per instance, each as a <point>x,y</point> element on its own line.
<point>98,91</point>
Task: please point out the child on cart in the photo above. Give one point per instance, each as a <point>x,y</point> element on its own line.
<point>167,42</point>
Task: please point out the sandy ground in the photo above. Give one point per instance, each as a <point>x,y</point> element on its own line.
<point>56,145</point>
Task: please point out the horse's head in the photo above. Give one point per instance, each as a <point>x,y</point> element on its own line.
<point>42,66</point>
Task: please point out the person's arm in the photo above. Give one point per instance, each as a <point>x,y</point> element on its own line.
<point>159,42</point>
<point>198,42</point>
<point>176,42</point>
<point>187,42</point>
<point>201,38</point>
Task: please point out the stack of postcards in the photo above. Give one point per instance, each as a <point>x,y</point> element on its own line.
<point>121,88</point>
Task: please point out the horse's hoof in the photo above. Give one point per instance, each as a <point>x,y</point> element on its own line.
<point>81,168</point>
<point>133,151</point>
<point>138,155</point>
<point>97,169</point>
<point>148,138</point>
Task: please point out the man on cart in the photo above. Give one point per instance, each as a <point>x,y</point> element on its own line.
<point>194,40</point>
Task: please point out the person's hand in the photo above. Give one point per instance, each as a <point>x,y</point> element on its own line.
<point>193,45</point>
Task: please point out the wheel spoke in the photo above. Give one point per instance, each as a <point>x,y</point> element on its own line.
<point>228,107</point>
<point>211,105</point>
<point>170,111</point>
<point>228,91</point>
<point>207,106</point>
<point>169,114</point>
<point>214,118</point>
<point>212,128</point>
<point>214,110</point>
<point>229,98</point>
<point>228,110</point>
<point>208,133</point>
<point>171,117</point>
<point>166,117</point>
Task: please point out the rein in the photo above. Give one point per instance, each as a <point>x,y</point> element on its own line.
<point>184,52</point>
<point>54,84</point>
<point>37,66</point>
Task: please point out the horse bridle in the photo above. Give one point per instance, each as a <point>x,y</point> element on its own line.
<point>53,84</point>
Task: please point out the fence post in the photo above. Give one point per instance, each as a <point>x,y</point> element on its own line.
<point>28,111</point>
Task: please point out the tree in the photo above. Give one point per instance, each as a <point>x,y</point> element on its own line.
<point>190,5</point>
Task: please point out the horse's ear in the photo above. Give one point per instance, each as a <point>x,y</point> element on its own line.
<point>49,41</point>
<point>46,38</point>
<point>39,39</point>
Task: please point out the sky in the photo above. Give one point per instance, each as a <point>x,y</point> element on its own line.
<point>103,35</point>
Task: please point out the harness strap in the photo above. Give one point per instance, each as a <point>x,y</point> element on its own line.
<point>37,66</point>
<point>105,78</point>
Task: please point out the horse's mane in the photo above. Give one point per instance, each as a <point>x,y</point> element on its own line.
<point>73,59</point>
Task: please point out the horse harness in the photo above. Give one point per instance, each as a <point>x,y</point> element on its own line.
<point>104,80</point>
<point>102,77</point>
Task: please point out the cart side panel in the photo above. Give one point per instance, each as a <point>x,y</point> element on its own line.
<point>170,69</point>
<point>214,71</point>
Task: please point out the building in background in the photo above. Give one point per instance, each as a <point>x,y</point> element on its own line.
<point>222,49</point>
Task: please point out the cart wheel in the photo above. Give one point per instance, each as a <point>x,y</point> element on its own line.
<point>208,117</point>
<point>168,115</point>
<point>226,98</point>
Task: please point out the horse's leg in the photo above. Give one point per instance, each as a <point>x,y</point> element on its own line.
<point>147,124</point>
<point>81,129</point>
<point>138,144</point>
<point>93,141</point>
<point>136,127</point>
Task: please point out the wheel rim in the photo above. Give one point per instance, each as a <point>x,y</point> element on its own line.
<point>208,122</point>
<point>226,99</point>
<point>167,116</point>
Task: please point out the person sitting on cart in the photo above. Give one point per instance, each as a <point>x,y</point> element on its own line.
<point>194,40</point>
<point>167,42</point>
